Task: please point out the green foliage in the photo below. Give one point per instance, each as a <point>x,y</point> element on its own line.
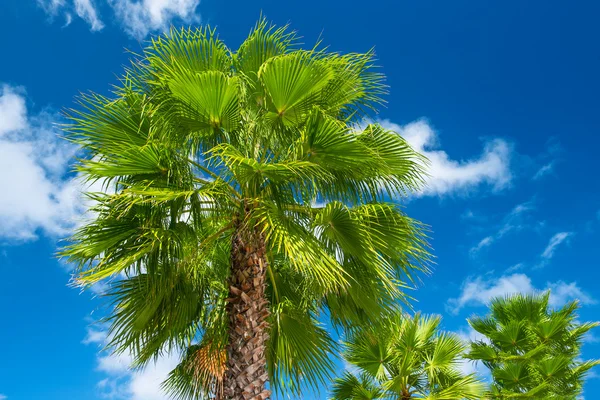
<point>405,357</point>
<point>532,350</point>
<point>197,138</point>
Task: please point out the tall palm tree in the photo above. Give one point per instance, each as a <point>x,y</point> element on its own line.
<point>244,202</point>
<point>406,358</point>
<point>533,351</point>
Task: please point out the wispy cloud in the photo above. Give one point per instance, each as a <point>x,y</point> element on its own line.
<point>3,397</point>
<point>51,7</point>
<point>480,290</point>
<point>543,171</point>
<point>483,243</point>
<point>543,164</point>
<point>449,176</point>
<point>514,268</point>
<point>137,17</point>
<point>84,9</point>
<point>555,241</point>
<point>68,20</point>
<point>513,221</point>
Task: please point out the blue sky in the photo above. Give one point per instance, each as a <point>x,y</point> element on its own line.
<point>502,97</point>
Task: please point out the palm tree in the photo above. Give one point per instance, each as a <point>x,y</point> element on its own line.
<point>244,202</point>
<point>532,351</point>
<point>406,358</point>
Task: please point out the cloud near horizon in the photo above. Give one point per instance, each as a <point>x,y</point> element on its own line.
<point>478,291</point>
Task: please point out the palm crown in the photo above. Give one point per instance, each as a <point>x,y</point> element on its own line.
<point>532,350</point>
<point>406,358</point>
<point>245,196</point>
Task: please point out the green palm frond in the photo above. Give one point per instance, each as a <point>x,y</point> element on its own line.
<point>263,43</point>
<point>301,350</point>
<point>195,50</point>
<point>352,387</point>
<point>293,83</point>
<point>207,100</point>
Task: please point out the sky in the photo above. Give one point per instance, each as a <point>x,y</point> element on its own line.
<point>501,96</point>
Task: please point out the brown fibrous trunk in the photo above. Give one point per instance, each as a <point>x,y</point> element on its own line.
<point>246,375</point>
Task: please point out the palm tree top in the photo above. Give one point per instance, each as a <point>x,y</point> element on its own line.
<point>532,349</point>
<point>233,174</point>
<point>405,358</point>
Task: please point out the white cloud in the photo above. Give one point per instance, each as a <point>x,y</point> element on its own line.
<point>3,397</point>
<point>145,384</point>
<point>13,111</point>
<point>139,17</point>
<point>555,240</point>
<point>479,291</point>
<point>449,176</point>
<point>39,195</point>
<point>85,10</point>
<point>543,171</point>
<point>563,292</point>
<point>122,382</point>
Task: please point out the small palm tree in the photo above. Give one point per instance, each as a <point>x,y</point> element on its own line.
<point>406,358</point>
<point>245,197</point>
<point>532,351</point>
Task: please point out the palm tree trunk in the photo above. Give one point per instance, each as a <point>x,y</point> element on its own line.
<point>246,374</point>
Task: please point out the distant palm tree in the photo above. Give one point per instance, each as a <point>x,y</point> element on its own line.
<point>532,351</point>
<point>406,358</point>
<point>247,199</point>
